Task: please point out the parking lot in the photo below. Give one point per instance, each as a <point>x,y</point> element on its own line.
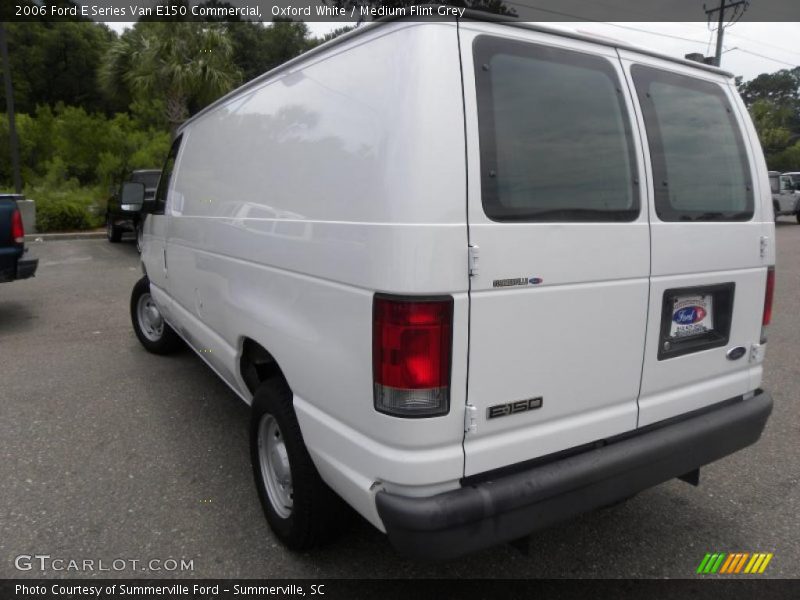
<point>110,453</point>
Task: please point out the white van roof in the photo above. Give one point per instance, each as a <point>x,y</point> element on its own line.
<point>469,15</point>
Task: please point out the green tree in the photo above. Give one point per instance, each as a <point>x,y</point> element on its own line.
<point>335,33</point>
<point>54,62</point>
<point>787,159</point>
<point>183,65</point>
<point>772,124</point>
<point>781,87</point>
<point>257,48</point>
<point>774,103</point>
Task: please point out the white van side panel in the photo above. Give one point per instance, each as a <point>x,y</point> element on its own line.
<point>294,203</point>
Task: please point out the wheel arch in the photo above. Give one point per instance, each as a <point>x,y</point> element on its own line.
<point>257,364</point>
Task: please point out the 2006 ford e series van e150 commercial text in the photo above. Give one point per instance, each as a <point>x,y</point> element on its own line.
<point>473,278</point>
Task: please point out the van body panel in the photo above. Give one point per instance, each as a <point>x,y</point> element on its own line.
<point>350,461</point>
<point>690,255</point>
<point>292,205</point>
<point>574,339</point>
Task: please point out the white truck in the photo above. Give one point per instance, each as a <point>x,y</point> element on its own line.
<point>785,198</point>
<point>472,277</point>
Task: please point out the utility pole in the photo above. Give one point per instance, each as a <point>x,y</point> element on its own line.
<point>721,22</point>
<point>12,122</point>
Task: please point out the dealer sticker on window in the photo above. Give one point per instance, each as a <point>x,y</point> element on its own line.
<point>692,315</point>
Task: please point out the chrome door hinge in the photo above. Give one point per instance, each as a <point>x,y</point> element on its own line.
<point>470,419</point>
<point>763,246</point>
<point>474,257</point>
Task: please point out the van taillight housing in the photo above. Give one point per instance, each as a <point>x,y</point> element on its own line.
<point>769,294</point>
<point>412,341</point>
<point>17,230</point>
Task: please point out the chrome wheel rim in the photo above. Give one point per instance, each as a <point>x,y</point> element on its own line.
<point>150,321</point>
<point>275,468</point>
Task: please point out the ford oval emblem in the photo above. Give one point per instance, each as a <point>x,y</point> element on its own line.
<point>535,280</point>
<point>688,315</point>
<point>736,353</point>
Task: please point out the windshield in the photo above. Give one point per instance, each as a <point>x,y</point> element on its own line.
<point>148,178</point>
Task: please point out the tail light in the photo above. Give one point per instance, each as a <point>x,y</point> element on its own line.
<point>411,347</point>
<point>769,293</point>
<point>17,230</point>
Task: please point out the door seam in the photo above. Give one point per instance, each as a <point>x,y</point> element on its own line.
<point>644,179</point>
<point>469,241</point>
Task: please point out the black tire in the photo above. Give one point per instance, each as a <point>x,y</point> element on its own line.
<point>797,216</point>
<point>163,340</point>
<point>139,236</point>
<point>317,515</point>
<point>113,233</point>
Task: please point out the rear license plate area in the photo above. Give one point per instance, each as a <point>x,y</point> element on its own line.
<point>695,319</point>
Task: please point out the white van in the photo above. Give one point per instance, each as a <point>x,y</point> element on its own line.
<point>473,278</point>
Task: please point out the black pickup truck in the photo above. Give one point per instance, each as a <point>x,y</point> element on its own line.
<point>122,217</point>
<point>13,265</point>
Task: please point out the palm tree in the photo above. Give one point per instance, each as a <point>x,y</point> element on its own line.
<point>185,65</point>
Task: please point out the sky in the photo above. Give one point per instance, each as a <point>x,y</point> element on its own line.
<point>749,48</point>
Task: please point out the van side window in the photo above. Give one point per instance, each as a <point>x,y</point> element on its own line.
<point>555,137</point>
<point>166,176</point>
<point>700,168</point>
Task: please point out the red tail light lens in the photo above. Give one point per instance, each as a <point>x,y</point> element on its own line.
<point>411,347</point>
<point>17,230</point>
<point>769,294</point>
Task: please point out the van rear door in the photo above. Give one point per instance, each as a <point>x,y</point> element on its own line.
<point>561,247</point>
<point>708,239</point>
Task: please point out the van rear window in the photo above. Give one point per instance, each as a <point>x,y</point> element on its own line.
<point>700,168</point>
<point>555,138</point>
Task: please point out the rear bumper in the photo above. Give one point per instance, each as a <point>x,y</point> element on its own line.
<point>509,507</point>
<point>18,269</point>
<point>27,268</point>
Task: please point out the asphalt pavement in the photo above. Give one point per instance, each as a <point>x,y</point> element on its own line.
<point>110,453</point>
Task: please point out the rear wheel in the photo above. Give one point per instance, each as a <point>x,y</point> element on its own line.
<point>797,216</point>
<point>113,232</point>
<point>300,508</point>
<point>148,324</point>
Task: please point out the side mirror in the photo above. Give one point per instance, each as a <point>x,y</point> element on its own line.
<point>132,198</point>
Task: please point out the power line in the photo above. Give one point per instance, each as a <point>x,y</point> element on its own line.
<point>763,56</point>
<point>571,16</point>
<point>774,47</point>
<point>648,31</point>
<point>658,33</point>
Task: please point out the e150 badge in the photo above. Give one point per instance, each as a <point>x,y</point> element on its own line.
<point>512,408</point>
